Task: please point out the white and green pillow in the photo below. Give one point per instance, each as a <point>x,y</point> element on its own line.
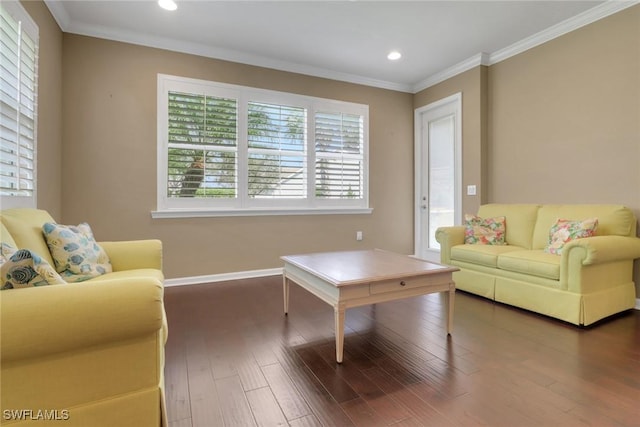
<point>25,269</point>
<point>75,252</point>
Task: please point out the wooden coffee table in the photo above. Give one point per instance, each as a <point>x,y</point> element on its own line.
<point>354,278</point>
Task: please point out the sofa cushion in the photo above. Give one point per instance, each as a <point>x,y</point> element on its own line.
<point>486,255</point>
<point>531,262</point>
<point>25,269</point>
<point>565,230</point>
<point>76,254</point>
<point>25,226</point>
<point>484,231</point>
<point>520,221</point>
<point>612,220</point>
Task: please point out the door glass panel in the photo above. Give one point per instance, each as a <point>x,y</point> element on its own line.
<point>441,176</point>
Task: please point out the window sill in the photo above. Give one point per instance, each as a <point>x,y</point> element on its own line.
<point>204,213</point>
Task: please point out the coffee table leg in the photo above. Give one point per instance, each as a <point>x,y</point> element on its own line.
<point>339,313</point>
<point>285,293</point>
<point>450,297</point>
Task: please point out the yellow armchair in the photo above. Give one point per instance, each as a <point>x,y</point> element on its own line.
<point>88,353</point>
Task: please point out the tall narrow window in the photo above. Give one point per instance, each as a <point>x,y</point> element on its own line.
<point>441,178</point>
<point>277,151</point>
<point>339,156</point>
<point>202,146</point>
<point>18,106</point>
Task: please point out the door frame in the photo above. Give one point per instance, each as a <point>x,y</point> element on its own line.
<point>421,249</point>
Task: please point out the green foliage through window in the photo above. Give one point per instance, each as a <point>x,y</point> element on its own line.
<point>202,146</point>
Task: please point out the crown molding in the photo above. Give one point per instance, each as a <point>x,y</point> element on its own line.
<point>231,56</point>
<point>585,18</point>
<point>459,68</point>
<point>59,13</point>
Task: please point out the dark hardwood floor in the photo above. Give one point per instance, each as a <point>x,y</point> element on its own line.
<point>234,359</point>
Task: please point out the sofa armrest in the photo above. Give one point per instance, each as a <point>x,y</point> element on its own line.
<point>60,318</point>
<point>134,254</point>
<point>601,249</point>
<point>449,237</point>
<point>596,263</point>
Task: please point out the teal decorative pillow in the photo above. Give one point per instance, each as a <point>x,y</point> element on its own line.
<point>75,252</point>
<point>565,230</point>
<point>25,269</point>
<point>484,231</point>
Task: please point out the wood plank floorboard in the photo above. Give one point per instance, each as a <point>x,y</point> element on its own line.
<point>233,359</point>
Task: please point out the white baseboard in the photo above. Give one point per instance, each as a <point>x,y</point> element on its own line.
<point>223,277</point>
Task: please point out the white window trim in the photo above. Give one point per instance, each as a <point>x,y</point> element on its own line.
<point>28,25</point>
<point>207,207</point>
<point>207,213</point>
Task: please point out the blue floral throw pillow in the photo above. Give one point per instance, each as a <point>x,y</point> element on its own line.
<point>75,252</point>
<point>25,269</point>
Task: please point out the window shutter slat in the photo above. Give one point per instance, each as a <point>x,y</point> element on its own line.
<point>18,102</point>
<point>339,168</point>
<point>277,156</point>
<point>202,146</point>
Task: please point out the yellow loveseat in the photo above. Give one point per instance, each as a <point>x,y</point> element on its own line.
<point>88,353</point>
<point>591,279</point>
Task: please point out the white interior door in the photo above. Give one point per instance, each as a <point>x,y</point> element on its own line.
<point>438,172</point>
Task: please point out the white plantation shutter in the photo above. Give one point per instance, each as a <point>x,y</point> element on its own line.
<point>339,145</point>
<point>202,146</point>
<point>18,106</point>
<point>235,150</point>
<point>277,151</point>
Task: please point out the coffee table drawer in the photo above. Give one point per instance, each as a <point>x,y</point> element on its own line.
<point>403,284</point>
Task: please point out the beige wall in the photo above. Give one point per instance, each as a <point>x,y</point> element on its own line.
<point>49,168</point>
<point>109,162</point>
<point>565,118</point>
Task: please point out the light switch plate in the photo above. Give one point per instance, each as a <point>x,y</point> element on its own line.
<point>471,190</point>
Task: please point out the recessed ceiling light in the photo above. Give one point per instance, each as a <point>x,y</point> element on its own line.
<point>168,4</point>
<point>394,55</point>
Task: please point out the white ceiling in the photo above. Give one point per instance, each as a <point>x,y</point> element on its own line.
<point>344,40</point>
